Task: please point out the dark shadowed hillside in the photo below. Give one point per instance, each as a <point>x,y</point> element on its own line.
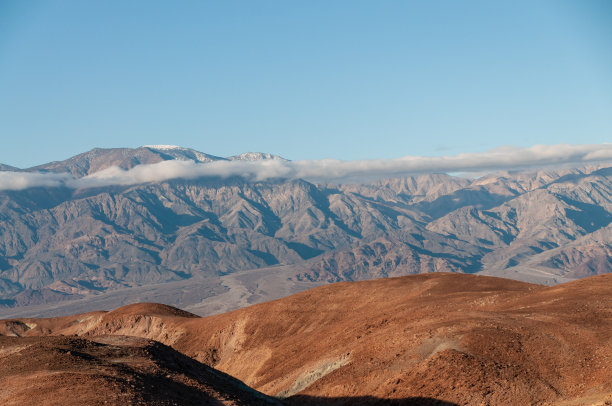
<point>111,370</point>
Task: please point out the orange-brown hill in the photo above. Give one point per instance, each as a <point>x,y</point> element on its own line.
<point>114,370</point>
<point>463,339</point>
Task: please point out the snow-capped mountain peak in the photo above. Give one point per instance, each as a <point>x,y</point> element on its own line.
<point>182,153</point>
<point>255,156</point>
<point>163,147</point>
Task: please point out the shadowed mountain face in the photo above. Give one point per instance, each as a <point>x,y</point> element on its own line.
<point>112,370</point>
<point>196,243</point>
<point>435,339</point>
<point>9,168</point>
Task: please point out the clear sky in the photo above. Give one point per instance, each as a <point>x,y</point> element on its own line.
<point>305,80</point>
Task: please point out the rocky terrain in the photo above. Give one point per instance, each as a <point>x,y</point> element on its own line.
<point>203,243</point>
<point>423,339</point>
<point>111,370</point>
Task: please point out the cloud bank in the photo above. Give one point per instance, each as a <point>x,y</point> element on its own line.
<point>24,180</point>
<point>326,170</point>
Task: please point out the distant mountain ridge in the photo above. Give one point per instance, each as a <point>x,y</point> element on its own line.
<point>99,159</point>
<point>60,245</point>
<point>8,168</point>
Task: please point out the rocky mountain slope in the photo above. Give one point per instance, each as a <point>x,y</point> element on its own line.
<point>60,245</point>
<point>100,158</point>
<point>452,338</point>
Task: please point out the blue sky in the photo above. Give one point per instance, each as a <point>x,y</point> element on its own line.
<point>305,80</point>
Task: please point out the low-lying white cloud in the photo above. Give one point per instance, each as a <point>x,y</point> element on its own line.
<point>331,170</point>
<point>24,180</point>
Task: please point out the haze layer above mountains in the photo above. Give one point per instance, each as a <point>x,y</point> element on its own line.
<point>210,244</point>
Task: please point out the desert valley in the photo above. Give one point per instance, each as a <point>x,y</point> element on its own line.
<point>306,203</point>
<point>92,232</point>
<point>425,290</point>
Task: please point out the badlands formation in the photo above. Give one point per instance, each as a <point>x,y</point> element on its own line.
<point>446,339</point>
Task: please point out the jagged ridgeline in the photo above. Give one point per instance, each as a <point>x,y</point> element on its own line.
<point>210,243</point>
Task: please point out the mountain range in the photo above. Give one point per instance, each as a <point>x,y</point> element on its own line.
<point>210,244</point>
